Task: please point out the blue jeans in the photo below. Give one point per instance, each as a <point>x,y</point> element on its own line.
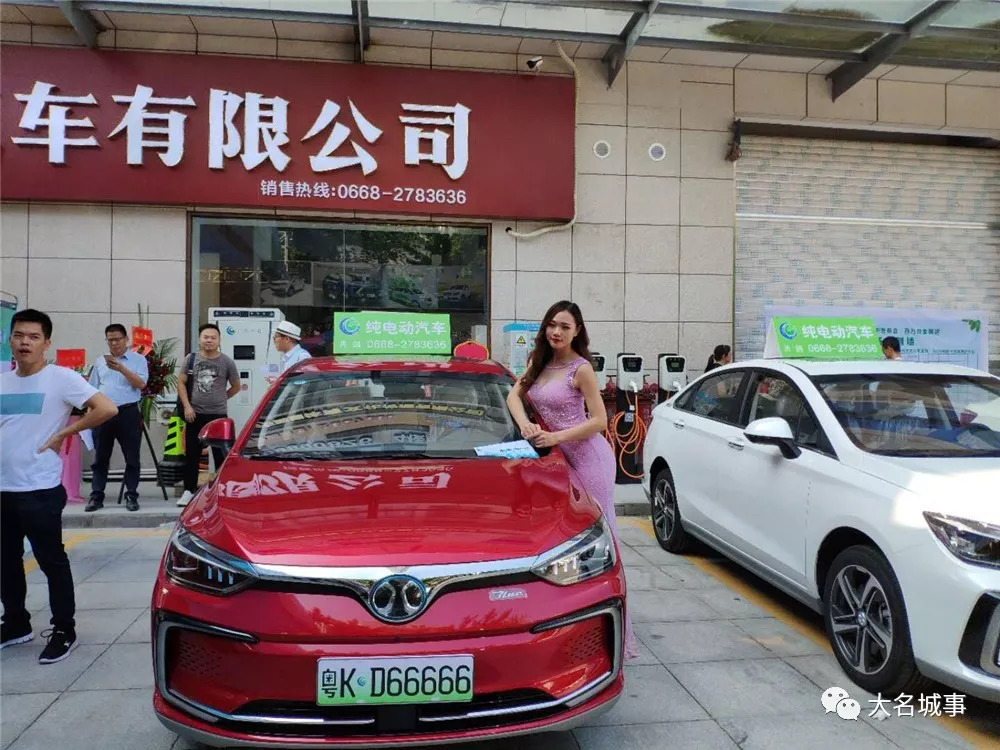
<point>36,515</point>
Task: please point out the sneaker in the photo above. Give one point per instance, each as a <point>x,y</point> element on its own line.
<point>11,636</point>
<point>185,499</point>
<point>93,504</point>
<point>59,646</point>
<point>131,503</point>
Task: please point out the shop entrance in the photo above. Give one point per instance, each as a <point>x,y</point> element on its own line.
<point>309,270</point>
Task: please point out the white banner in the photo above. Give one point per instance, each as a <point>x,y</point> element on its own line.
<point>959,337</point>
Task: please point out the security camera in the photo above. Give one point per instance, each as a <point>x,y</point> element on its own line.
<point>534,63</point>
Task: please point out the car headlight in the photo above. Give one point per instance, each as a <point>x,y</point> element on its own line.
<point>195,563</point>
<point>585,556</point>
<point>973,541</point>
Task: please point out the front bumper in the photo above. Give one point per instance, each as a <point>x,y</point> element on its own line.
<point>225,687</point>
<point>953,610</point>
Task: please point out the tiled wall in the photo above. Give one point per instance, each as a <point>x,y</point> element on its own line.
<point>650,259</point>
<point>88,266</point>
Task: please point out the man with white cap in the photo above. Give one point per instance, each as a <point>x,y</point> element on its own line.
<point>286,340</point>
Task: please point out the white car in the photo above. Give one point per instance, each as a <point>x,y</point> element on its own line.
<point>868,490</point>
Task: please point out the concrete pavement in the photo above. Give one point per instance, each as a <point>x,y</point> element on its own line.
<point>718,668</point>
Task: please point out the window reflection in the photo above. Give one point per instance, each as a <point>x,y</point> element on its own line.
<point>309,270</point>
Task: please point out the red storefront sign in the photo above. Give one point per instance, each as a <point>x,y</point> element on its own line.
<point>104,126</point>
<point>75,359</point>
<point>142,340</point>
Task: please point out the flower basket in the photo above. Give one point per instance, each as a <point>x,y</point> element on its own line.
<point>162,365</point>
<point>162,375</point>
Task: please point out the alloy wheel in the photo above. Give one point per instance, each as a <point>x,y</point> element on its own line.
<point>664,509</point>
<point>861,619</point>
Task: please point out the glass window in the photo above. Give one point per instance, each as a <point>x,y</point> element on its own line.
<point>381,414</point>
<point>917,415</point>
<point>775,396</point>
<point>716,397</point>
<point>309,270</point>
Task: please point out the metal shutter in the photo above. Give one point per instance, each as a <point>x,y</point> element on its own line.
<point>858,223</point>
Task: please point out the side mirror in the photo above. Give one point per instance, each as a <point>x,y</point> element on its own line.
<point>219,433</point>
<point>773,431</point>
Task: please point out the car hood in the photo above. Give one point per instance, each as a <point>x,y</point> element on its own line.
<point>390,513</point>
<point>967,487</point>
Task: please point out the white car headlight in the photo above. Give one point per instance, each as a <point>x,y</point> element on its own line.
<point>973,541</point>
<point>192,562</point>
<point>585,556</point>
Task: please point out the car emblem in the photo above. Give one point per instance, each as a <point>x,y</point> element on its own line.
<point>502,595</point>
<point>397,598</point>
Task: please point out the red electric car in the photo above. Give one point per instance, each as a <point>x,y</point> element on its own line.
<point>377,565</point>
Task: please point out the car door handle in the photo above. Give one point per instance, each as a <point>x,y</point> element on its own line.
<point>679,424</point>
<point>737,445</point>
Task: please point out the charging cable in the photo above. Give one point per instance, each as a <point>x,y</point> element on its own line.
<point>630,443</point>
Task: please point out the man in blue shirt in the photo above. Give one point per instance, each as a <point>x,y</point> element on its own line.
<point>287,336</point>
<point>121,376</point>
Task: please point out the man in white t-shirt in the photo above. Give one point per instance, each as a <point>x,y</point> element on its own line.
<point>36,401</point>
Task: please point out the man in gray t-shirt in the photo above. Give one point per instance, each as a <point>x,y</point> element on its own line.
<point>213,380</point>
<point>211,383</point>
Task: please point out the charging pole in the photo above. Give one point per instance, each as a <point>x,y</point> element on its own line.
<point>597,360</point>
<point>672,375</point>
<point>627,429</point>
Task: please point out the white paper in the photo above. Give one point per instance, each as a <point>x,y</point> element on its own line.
<point>514,449</point>
<point>87,436</point>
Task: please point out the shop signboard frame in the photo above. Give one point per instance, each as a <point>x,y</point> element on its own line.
<point>208,130</point>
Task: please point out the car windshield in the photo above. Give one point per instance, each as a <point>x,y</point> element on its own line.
<point>383,414</point>
<point>949,416</point>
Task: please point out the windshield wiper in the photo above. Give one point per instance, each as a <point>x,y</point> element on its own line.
<point>293,456</point>
<point>390,455</point>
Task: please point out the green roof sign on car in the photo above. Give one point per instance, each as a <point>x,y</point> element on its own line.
<point>391,333</point>
<point>823,338</point>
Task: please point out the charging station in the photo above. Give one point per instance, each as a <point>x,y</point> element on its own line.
<point>671,375</point>
<point>597,360</point>
<point>246,339</point>
<point>627,431</point>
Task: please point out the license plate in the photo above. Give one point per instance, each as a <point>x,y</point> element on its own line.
<point>394,679</point>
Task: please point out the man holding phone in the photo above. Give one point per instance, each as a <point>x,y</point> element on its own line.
<point>120,375</point>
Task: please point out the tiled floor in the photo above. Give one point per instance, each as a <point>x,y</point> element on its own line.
<point>716,671</point>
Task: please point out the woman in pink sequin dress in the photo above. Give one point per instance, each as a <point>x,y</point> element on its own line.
<point>561,382</point>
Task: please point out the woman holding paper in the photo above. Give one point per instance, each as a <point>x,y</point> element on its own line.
<point>562,385</point>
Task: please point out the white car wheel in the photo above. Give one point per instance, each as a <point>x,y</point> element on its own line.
<point>666,516</point>
<point>866,623</point>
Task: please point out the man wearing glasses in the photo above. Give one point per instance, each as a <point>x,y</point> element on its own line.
<point>121,376</point>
